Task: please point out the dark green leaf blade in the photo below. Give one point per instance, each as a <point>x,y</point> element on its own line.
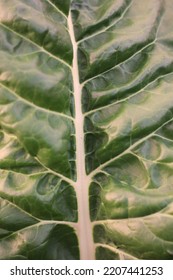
<point>41,242</point>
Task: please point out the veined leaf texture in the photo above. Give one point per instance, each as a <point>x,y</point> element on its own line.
<point>86,129</point>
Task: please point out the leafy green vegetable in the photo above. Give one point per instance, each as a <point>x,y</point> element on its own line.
<point>86,129</point>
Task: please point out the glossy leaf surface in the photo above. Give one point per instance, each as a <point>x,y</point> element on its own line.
<point>86,136</point>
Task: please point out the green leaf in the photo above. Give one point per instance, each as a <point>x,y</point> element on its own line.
<point>86,129</point>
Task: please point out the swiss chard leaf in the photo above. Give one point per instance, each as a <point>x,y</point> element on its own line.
<point>86,129</point>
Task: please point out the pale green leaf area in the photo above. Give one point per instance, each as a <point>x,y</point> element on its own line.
<point>86,129</point>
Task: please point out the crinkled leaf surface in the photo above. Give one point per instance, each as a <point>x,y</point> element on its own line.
<point>86,136</point>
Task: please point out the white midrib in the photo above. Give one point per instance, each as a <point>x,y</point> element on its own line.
<point>82,184</point>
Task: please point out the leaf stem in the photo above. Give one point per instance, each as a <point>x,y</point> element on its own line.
<point>82,185</point>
